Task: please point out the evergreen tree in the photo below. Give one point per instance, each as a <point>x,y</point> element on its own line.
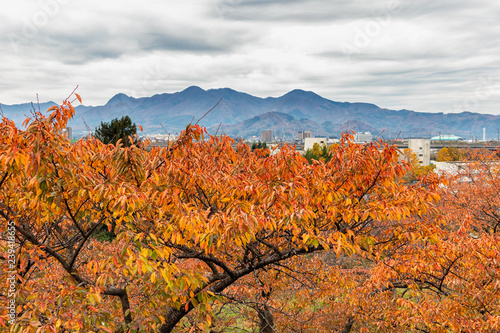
<point>115,130</point>
<point>259,145</point>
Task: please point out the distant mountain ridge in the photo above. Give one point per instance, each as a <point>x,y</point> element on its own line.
<point>243,115</point>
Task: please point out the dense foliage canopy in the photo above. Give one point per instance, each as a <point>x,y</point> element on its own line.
<point>212,239</point>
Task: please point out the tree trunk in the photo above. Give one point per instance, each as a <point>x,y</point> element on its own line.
<point>266,319</point>
<point>172,317</point>
<point>348,325</point>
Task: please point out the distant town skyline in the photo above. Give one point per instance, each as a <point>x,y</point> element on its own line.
<point>423,55</point>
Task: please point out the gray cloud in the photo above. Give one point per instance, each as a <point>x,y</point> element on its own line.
<point>297,11</point>
<point>439,56</point>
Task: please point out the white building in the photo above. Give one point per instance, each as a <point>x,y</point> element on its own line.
<point>422,148</point>
<point>309,142</point>
<point>363,137</point>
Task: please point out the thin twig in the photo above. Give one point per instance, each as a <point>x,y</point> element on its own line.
<point>164,129</point>
<point>38,103</point>
<point>72,94</point>
<point>218,128</point>
<point>208,111</point>
<point>381,134</point>
<point>86,126</point>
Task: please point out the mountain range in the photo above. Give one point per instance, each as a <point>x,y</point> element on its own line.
<point>242,115</point>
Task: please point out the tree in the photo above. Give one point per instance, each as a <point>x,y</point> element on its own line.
<point>193,220</point>
<point>449,280</point>
<point>117,129</point>
<point>318,153</point>
<point>449,154</point>
<point>417,170</point>
<point>259,145</point>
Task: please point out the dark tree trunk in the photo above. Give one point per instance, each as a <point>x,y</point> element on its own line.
<point>173,316</point>
<point>266,319</point>
<point>348,325</point>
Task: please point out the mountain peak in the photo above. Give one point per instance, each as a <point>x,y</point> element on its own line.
<point>277,115</point>
<point>303,94</point>
<point>225,90</point>
<point>193,89</point>
<point>299,91</point>
<point>118,98</point>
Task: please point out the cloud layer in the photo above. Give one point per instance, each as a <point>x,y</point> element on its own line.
<point>422,55</point>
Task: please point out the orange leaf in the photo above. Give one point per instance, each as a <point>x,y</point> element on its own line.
<point>26,121</point>
<point>79,98</point>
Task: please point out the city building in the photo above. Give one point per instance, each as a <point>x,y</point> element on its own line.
<point>68,133</point>
<point>267,136</point>
<point>363,137</point>
<point>309,142</point>
<point>422,148</point>
<point>304,134</point>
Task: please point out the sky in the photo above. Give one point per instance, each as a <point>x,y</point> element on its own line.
<point>422,55</point>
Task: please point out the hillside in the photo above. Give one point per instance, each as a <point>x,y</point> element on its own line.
<point>241,114</point>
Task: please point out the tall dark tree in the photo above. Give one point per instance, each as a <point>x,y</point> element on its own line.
<point>115,130</point>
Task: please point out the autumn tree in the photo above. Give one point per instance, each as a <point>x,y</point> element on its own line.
<point>193,220</point>
<point>449,280</point>
<point>418,170</point>
<point>449,154</point>
<point>318,153</point>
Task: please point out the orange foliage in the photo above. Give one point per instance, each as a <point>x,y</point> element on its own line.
<point>196,221</point>
<point>450,154</point>
<point>447,282</point>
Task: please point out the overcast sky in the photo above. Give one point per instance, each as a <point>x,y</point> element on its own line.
<point>424,55</point>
